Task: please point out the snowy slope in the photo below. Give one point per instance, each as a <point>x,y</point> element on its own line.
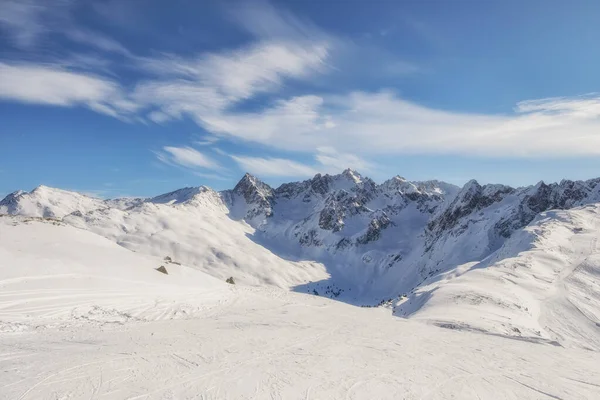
<point>543,283</point>
<point>47,202</point>
<point>192,226</point>
<point>52,273</point>
<point>84,318</point>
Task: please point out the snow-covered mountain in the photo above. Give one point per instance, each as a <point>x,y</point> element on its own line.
<point>486,258</point>
<point>47,202</point>
<point>542,285</point>
<point>341,236</point>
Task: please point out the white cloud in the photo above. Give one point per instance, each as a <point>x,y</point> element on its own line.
<point>22,19</point>
<point>207,141</point>
<point>158,117</point>
<point>96,40</point>
<point>580,106</point>
<point>296,116</point>
<point>331,161</point>
<point>327,160</point>
<point>266,22</point>
<point>30,21</point>
<point>187,157</point>
<point>39,84</point>
<point>206,86</point>
<point>211,176</point>
<point>220,151</point>
<point>273,166</point>
<point>383,123</point>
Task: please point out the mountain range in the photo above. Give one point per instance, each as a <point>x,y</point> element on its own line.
<point>346,237</point>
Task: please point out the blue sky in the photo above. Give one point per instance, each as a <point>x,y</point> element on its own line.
<point>130,98</point>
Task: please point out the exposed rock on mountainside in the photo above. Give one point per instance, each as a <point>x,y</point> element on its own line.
<point>251,199</point>
<point>379,239</point>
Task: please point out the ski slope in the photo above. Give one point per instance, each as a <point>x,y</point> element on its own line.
<point>85,318</point>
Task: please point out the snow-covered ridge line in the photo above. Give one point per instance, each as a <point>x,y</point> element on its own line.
<point>375,240</point>
<point>541,285</point>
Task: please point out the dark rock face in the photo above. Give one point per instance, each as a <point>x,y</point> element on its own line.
<point>291,190</point>
<point>472,198</point>
<point>317,187</point>
<point>543,197</point>
<point>253,189</point>
<point>257,194</point>
<point>310,238</point>
<point>320,184</point>
<point>376,226</point>
<point>331,218</point>
<point>571,193</point>
<point>11,201</point>
<point>526,203</point>
<point>331,201</point>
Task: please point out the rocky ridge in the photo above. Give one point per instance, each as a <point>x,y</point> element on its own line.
<point>372,236</point>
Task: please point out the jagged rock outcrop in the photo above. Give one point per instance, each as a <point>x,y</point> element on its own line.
<point>472,198</point>
<point>10,203</point>
<point>376,226</point>
<point>251,199</point>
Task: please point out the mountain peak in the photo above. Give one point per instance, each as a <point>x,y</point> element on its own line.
<point>182,195</point>
<point>41,188</point>
<point>352,175</point>
<point>257,196</point>
<point>251,182</point>
<point>12,197</point>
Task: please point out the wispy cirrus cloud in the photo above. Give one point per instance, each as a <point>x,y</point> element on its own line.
<point>52,85</point>
<point>580,106</point>
<point>383,123</point>
<point>265,22</point>
<point>330,160</point>
<point>207,141</point>
<point>96,40</point>
<point>209,87</point>
<point>326,160</point>
<point>272,166</point>
<point>187,157</point>
<point>24,21</point>
<point>27,22</point>
<point>192,161</point>
<point>209,84</point>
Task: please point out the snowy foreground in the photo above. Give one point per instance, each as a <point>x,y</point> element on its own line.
<point>83,318</point>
